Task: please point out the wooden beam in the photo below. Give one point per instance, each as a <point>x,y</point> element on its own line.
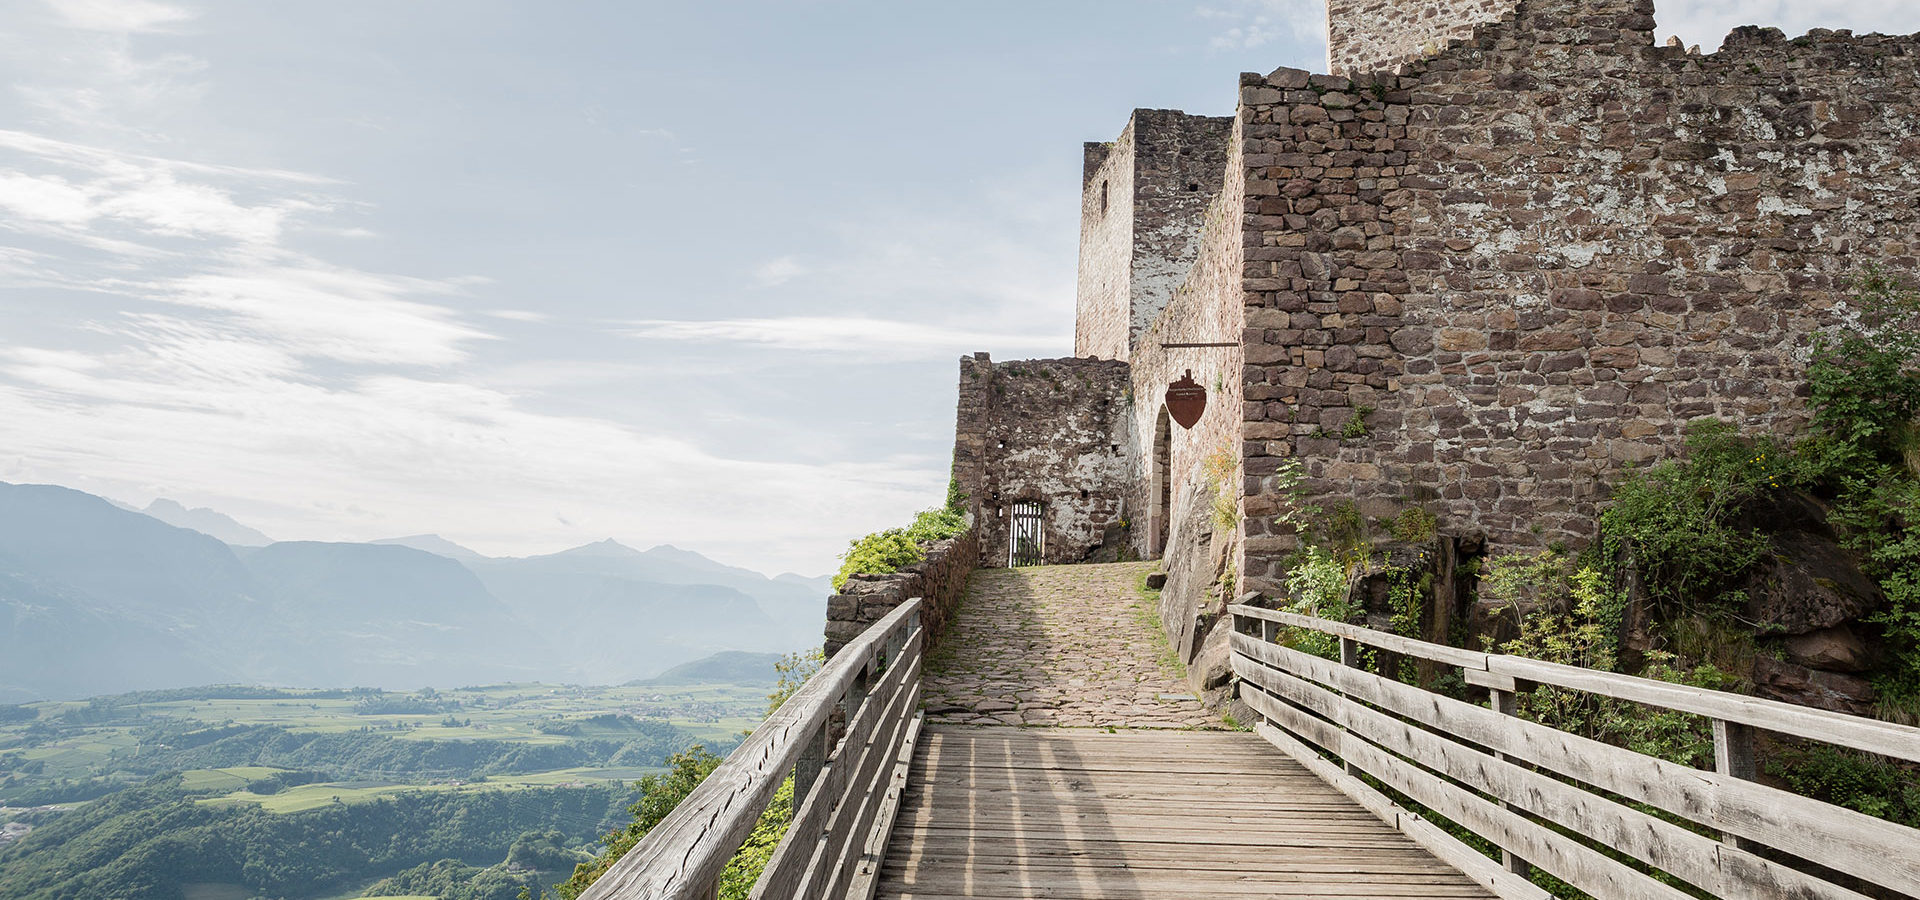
<point>1872,849</point>
<point>1723,872</point>
<point>686,852</point>
<point>1856,732</point>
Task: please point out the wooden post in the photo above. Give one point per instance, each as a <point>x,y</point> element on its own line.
<point>813,757</point>
<point>1350,656</point>
<point>1269,631</point>
<point>1502,701</point>
<point>1733,755</point>
<point>710,890</point>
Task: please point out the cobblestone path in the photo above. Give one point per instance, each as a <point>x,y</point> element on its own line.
<point>1057,645</point>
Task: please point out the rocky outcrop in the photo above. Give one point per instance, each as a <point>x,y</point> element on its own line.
<point>1189,600</point>
<point>1809,583</point>
<point>1820,689</point>
<point>1836,649</point>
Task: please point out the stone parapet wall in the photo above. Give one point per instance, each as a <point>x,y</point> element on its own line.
<point>1047,430</point>
<point>1538,254</point>
<point>1366,36</point>
<point>939,580</point>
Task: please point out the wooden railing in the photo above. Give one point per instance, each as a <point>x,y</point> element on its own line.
<point>845,795</point>
<point>1574,807</point>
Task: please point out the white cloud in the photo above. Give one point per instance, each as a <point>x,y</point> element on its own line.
<point>86,75</point>
<point>1250,24</point>
<point>123,16</point>
<point>320,311</point>
<point>45,199</point>
<point>70,191</point>
<point>519,315</point>
<point>873,338</point>
<point>778,271</point>
<point>189,408</point>
<point>1706,22</point>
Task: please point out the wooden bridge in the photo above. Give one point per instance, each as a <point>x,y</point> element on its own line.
<point>1352,785</point>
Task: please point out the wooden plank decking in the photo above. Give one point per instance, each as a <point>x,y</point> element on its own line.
<point>1138,815</point>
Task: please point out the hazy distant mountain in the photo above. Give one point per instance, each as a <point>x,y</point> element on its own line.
<point>207,522</point>
<point>819,584</point>
<point>54,644</point>
<point>797,608</point>
<point>725,667</point>
<point>391,616</point>
<point>435,544</point>
<point>616,613</point>
<point>96,598</point>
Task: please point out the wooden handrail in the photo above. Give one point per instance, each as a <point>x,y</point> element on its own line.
<point>1840,729</point>
<point>875,681</point>
<point>1562,802</point>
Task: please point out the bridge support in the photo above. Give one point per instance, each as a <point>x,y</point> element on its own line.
<point>1733,755</point>
<point>1350,657</point>
<point>1502,700</point>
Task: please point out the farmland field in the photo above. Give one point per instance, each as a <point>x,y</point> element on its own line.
<point>547,766</point>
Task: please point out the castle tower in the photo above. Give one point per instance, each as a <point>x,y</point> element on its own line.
<point>1143,199</point>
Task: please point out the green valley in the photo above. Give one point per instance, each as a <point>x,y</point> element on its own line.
<point>405,792</point>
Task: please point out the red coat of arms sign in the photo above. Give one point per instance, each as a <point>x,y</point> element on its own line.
<point>1186,400</point>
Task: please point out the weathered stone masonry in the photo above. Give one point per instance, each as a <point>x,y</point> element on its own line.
<point>1143,196</point>
<point>1521,245</point>
<point>1540,253</point>
<point>1054,431</point>
<point>938,580</point>
<point>1382,35</point>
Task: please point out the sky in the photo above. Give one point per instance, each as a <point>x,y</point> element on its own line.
<point>530,275</point>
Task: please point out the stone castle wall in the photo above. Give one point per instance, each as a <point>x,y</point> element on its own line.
<point>1207,308</point>
<point>1365,36</point>
<point>1142,200</point>
<point>1103,307</point>
<point>1178,164</point>
<point>1051,430</point>
<point>1539,254</point>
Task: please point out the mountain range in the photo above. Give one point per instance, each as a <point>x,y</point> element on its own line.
<point>97,597</point>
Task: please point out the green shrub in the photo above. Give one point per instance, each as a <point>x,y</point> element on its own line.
<point>660,794</point>
<point>896,548</point>
<point>1291,484</point>
<point>1866,392</point>
<point>1356,425</point>
<point>1317,584</point>
<point>1865,452</point>
<point>1414,525</point>
<point>1868,784</point>
<point>793,670</point>
<point>1582,628</point>
<point>1220,467</point>
<point>1684,520</point>
<point>877,554</point>
<point>937,524</point>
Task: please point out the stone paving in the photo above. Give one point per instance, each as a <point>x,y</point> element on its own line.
<point>1057,645</point>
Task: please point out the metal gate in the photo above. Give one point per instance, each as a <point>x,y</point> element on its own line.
<point>1026,543</point>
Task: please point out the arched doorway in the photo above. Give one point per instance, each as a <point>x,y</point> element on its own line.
<point>1160,485</point>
